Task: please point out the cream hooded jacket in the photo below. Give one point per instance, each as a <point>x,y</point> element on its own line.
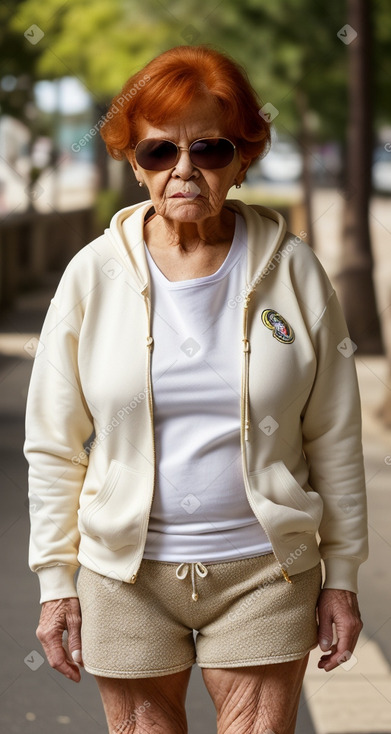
<point>89,419</point>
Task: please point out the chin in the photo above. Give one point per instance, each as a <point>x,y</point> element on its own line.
<point>190,211</point>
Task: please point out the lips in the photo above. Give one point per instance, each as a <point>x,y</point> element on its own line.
<point>182,195</point>
<point>191,191</point>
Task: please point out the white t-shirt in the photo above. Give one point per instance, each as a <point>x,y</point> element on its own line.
<point>200,510</point>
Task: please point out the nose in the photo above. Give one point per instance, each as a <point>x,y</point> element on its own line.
<point>184,167</point>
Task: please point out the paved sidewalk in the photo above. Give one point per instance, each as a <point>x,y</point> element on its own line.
<point>356,698</point>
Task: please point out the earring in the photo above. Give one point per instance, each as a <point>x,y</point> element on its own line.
<point>238,186</point>
<point>140,183</point>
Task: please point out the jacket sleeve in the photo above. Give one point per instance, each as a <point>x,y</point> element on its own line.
<point>58,423</point>
<point>332,444</point>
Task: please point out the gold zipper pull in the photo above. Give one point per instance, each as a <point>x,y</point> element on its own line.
<point>247,300</point>
<point>133,579</point>
<point>285,575</point>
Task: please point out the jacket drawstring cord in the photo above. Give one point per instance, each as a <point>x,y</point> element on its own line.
<point>148,307</point>
<point>196,567</point>
<point>149,335</point>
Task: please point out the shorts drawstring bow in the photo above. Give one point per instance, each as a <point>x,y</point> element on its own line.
<point>196,567</point>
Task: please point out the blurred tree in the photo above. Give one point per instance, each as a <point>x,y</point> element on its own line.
<point>290,45</point>
<point>17,74</point>
<point>285,46</point>
<point>294,52</point>
<point>381,67</point>
<point>101,44</point>
<point>16,67</point>
<point>382,104</point>
<point>355,274</point>
<point>290,48</point>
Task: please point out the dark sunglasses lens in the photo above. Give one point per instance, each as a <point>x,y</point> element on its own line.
<point>156,155</point>
<point>212,152</point>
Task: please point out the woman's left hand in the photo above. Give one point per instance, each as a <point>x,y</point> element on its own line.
<point>340,607</point>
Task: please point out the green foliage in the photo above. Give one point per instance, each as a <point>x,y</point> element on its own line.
<point>284,45</point>
<point>382,60</point>
<point>102,43</point>
<point>16,62</point>
<point>106,203</point>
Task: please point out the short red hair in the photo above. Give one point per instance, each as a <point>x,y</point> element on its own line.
<point>171,82</point>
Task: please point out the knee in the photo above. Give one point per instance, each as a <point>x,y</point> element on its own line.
<point>249,709</point>
<point>254,719</point>
<point>158,727</point>
<point>240,714</point>
<point>139,706</point>
<point>136,720</point>
<point>146,722</point>
<point>123,727</point>
<point>126,725</point>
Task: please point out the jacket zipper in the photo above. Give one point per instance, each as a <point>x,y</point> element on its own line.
<point>150,404</point>
<point>245,423</point>
<point>245,419</point>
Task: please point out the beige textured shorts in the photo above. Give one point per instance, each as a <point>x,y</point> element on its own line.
<point>246,613</point>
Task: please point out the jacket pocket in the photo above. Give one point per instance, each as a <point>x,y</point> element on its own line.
<point>284,506</point>
<point>116,513</point>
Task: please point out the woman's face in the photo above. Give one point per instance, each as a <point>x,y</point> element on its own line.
<point>207,189</point>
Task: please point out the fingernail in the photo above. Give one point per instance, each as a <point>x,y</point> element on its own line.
<point>325,644</point>
<point>76,655</point>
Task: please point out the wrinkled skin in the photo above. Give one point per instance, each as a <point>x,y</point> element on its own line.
<point>56,617</point>
<point>340,607</point>
<point>334,605</point>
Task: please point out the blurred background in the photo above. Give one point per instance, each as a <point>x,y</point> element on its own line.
<point>323,72</point>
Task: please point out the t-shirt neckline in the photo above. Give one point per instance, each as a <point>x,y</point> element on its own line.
<point>226,266</point>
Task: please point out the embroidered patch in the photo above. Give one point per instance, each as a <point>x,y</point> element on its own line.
<point>279,326</point>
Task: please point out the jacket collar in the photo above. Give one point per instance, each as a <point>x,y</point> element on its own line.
<point>265,231</point>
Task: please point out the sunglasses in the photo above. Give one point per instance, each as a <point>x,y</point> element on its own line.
<point>159,155</point>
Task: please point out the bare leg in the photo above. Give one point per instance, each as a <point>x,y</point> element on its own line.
<point>143,705</point>
<point>258,698</point>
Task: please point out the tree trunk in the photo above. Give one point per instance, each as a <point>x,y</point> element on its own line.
<point>101,155</point>
<point>354,280</point>
<point>305,139</point>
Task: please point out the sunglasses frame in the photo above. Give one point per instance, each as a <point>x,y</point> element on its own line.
<point>179,148</point>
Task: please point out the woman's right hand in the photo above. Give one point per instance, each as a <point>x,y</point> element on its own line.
<point>56,616</point>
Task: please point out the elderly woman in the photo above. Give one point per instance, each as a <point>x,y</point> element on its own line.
<point>193,429</point>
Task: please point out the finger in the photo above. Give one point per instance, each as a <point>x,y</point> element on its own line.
<point>59,660</point>
<point>324,660</point>
<point>50,634</point>
<point>325,629</point>
<point>73,656</point>
<point>347,636</point>
<point>76,656</point>
<point>341,653</point>
<point>74,636</point>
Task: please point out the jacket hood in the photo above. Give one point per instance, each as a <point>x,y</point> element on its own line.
<point>265,226</point>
